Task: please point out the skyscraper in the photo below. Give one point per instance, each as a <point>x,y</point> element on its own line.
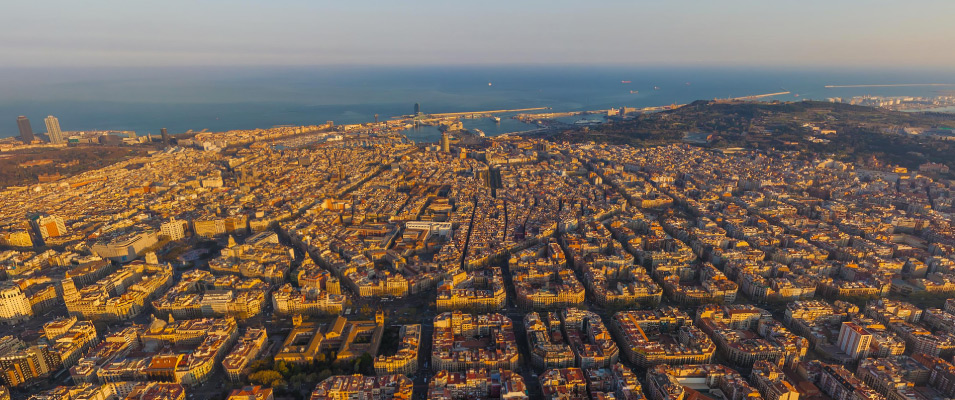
<point>445,142</point>
<point>165,136</point>
<point>417,109</point>
<point>26,132</point>
<point>53,129</point>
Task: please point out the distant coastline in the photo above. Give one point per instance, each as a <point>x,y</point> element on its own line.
<point>184,99</point>
<point>889,85</point>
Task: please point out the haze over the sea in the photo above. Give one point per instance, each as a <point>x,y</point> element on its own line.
<point>224,98</point>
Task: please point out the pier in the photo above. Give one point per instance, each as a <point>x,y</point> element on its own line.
<point>758,96</point>
<point>486,113</point>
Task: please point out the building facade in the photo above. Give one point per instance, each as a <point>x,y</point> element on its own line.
<point>53,129</point>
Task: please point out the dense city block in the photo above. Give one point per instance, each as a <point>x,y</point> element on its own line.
<point>358,264</point>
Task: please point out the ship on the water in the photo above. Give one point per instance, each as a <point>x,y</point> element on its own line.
<point>496,119</point>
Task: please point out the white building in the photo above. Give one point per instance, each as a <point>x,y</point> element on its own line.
<point>854,340</point>
<point>53,129</point>
<point>126,247</point>
<point>14,305</point>
<point>439,228</point>
<point>47,226</point>
<point>174,229</point>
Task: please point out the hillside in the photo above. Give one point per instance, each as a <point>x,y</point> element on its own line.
<point>860,132</point>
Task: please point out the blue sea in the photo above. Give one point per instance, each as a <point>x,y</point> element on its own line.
<point>181,99</point>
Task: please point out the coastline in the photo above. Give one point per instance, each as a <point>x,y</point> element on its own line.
<point>224,99</point>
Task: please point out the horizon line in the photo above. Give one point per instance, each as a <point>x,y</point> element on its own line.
<point>685,65</point>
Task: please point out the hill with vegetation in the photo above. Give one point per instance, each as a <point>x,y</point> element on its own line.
<point>26,167</point>
<point>846,132</point>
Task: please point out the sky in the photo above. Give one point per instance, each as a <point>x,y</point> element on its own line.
<point>849,33</point>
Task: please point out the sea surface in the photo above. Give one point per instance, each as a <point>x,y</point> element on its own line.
<point>217,99</point>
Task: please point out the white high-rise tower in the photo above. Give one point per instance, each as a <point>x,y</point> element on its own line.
<point>53,129</point>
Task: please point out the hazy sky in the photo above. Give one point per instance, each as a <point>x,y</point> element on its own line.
<point>913,33</point>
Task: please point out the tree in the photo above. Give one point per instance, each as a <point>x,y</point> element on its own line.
<point>366,364</point>
<point>265,377</point>
<point>282,368</point>
<point>279,384</point>
<point>325,374</point>
<point>298,380</point>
